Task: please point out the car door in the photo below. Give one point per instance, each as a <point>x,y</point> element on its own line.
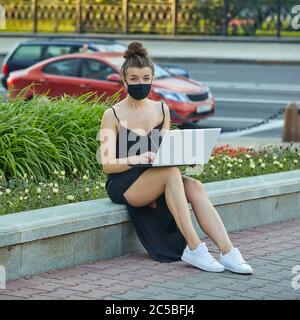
<point>61,77</point>
<point>24,56</point>
<point>94,78</point>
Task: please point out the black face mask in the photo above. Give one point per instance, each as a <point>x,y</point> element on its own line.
<point>139,91</point>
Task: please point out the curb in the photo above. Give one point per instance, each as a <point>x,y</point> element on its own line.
<point>139,36</point>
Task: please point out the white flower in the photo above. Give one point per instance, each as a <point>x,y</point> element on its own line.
<point>97,187</point>
<point>248,156</point>
<point>70,197</point>
<point>1,193</point>
<point>295,161</point>
<point>216,171</point>
<point>260,160</point>
<point>55,185</point>
<point>55,172</point>
<point>240,165</point>
<point>7,191</point>
<point>62,173</point>
<point>87,189</point>
<point>75,170</point>
<point>263,165</point>
<point>229,165</point>
<point>55,190</point>
<point>85,177</point>
<point>26,191</point>
<point>102,184</point>
<point>21,198</point>
<point>281,165</point>
<point>228,172</point>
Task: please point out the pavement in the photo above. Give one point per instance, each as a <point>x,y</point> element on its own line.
<point>272,250</point>
<point>183,49</point>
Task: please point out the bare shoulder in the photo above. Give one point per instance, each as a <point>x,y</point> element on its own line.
<point>108,119</point>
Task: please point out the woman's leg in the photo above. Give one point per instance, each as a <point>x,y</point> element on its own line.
<point>207,216</point>
<point>156,181</point>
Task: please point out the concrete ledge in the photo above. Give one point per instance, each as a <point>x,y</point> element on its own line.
<point>67,235</point>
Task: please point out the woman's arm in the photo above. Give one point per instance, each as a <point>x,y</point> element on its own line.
<point>108,135</point>
<point>167,122</point>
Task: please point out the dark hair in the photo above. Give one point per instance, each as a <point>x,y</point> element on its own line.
<point>136,56</point>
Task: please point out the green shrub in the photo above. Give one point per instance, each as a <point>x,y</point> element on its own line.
<point>42,135</point>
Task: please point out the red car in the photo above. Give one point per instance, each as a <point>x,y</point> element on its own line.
<point>76,74</point>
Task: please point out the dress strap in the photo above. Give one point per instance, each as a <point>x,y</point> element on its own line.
<point>162,106</point>
<point>115,113</point>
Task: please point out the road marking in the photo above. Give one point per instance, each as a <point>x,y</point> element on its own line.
<point>264,127</point>
<point>253,86</point>
<point>233,119</point>
<point>253,100</point>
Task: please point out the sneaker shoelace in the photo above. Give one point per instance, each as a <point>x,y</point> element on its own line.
<point>240,259</point>
<point>206,255</point>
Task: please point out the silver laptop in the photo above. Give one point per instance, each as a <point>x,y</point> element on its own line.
<point>181,147</point>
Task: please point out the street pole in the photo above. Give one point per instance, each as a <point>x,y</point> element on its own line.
<point>278,31</point>
<point>225,22</point>
<point>34,9</point>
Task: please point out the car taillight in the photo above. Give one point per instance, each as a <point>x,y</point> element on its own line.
<point>10,81</point>
<point>5,69</point>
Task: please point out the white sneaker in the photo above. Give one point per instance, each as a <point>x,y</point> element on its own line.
<point>234,262</point>
<point>201,258</point>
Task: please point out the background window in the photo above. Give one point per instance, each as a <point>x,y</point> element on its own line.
<point>66,67</point>
<point>94,69</point>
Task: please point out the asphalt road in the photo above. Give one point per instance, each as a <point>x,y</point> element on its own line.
<point>246,94</point>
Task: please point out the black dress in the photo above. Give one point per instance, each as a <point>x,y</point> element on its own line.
<point>156,228</point>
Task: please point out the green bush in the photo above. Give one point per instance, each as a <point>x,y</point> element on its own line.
<point>42,135</point>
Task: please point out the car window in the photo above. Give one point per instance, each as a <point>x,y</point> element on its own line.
<point>31,53</point>
<point>65,67</point>
<point>53,51</point>
<point>95,69</point>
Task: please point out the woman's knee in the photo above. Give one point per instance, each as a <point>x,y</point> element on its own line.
<point>193,184</point>
<point>172,173</point>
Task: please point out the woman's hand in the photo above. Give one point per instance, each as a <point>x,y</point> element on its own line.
<point>146,157</point>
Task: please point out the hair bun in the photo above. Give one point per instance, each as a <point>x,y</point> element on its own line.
<point>135,48</point>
